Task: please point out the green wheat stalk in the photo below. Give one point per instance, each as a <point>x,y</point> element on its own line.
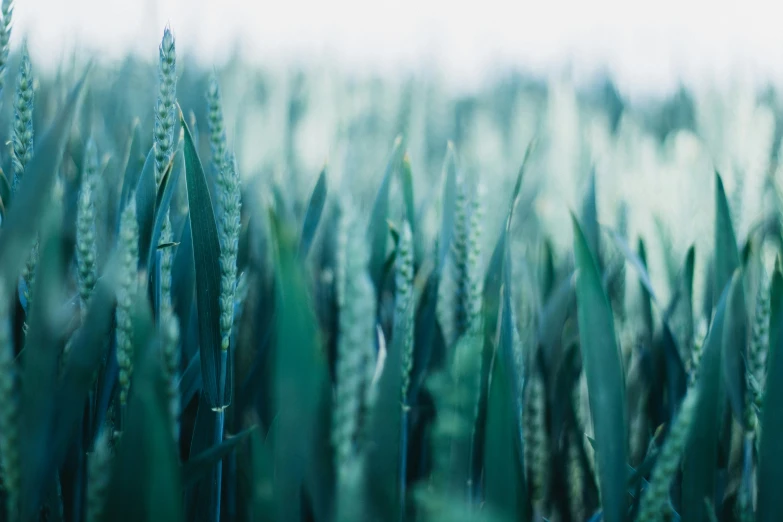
<point>402,333</point>
<point>171,355</point>
<point>229,195</point>
<point>86,250</point>
<point>217,130</point>
<point>536,440</point>
<point>165,105</point>
<point>656,496</point>
<point>169,325</point>
<point>355,347</point>
<point>22,135</point>
<point>22,152</point>
<point>759,348</point>
<point>6,10</point>
<point>98,476</point>
<point>128,243</point>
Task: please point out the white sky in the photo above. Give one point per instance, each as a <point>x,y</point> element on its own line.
<point>649,46</point>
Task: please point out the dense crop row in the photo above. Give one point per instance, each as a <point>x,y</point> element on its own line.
<point>180,340</point>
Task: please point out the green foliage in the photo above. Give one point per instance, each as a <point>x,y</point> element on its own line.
<point>770,451</point>
<point>605,379</point>
<point>206,252</point>
<point>246,343</point>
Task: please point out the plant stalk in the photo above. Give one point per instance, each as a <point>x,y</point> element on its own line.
<point>403,457</point>
<point>219,421</point>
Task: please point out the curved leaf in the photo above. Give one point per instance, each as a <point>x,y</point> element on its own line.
<point>206,254</point>
<point>605,380</point>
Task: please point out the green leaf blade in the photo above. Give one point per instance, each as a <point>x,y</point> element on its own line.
<point>726,253</point>
<point>605,379</point>
<point>701,452</point>
<point>313,214</point>
<point>770,458</point>
<point>299,375</point>
<point>735,335</point>
<point>206,253</point>
<point>145,206</point>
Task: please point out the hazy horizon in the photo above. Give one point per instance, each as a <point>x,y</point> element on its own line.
<point>648,50</point>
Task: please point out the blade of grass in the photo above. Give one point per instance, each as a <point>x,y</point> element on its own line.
<point>206,252</point>
<point>168,184</point>
<point>505,488</point>
<point>735,334</point>
<point>313,215</point>
<point>40,363</point>
<point>491,312</point>
<point>406,179</point>
<point>699,470</point>
<point>183,277</point>
<point>726,253</point>
<point>298,376</point>
<point>589,221</point>
<point>145,206</point>
<point>605,380</point>
<point>770,457</point>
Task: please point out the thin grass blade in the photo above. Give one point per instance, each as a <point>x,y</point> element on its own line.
<point>206,253</point>
<point>605,379</point>
<point>770,457</point>
<point>313,214</point>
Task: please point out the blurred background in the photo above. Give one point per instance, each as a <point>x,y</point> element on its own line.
<point>648,48</point>
<point>652,97</point>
